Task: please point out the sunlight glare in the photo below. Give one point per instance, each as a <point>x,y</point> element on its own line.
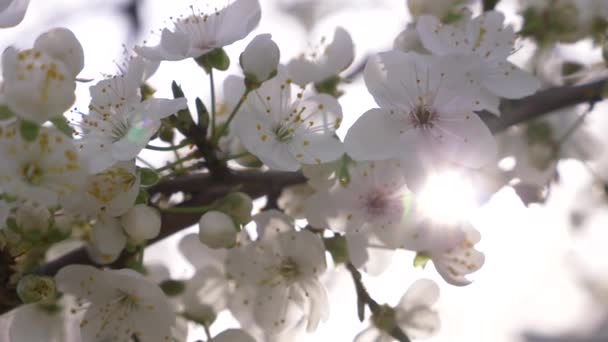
<point>447,197</point>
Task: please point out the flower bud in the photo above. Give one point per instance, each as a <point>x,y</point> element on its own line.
<point>32,219</point>
<point>141,223</point>
<point>33,289</point>
<point>260,60</point>
<point>238,205</point>
<point>217,230</point>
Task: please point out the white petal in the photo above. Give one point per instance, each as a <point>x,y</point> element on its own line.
<point>107,236</point>
<point>419,323</point>
<point>233,335</point>
<point>14,13</point>
<point>341,52</point>
<point>374,136</point>
<point>465,140</point>
<point>270,308</point>
<point>510,82</point>
<point>318,303</point>
<point>83,281</point>
<point>62,44</point>
<point>422,293</point>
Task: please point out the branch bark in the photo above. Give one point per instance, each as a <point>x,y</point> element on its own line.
<point>204,189</point>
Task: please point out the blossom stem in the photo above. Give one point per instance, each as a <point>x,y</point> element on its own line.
<point>176,163</point>
<point>212,85</point>
<point>183,143</point>
<point>188,210</point>
<point>145,162</point>
<point>363,298</point>
<point>207,331</point>
<point>226,124</point>
<point>235,156</point>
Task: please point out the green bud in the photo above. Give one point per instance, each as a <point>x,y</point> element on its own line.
<point>173,288</point>
<point>148,177</point>
<point>216,59</point>
<point>237,205</point>
<point>143,197</point>
<point>329,86</point>
<point>147,91</point>
<point>33,289</point>
<point>421,259</point>
<point>62,124</point>
<point>384,319</point>
<point>29,130</point>
<point>6,113</point>
<point>337,247</point>
<point>166,132</point>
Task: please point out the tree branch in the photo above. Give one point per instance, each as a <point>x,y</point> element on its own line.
<point>205,189</point>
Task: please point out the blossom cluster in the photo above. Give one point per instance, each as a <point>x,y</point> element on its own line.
<point>74,176</point>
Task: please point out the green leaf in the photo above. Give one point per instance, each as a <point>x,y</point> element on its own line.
<point>421,259</point>
<point>143,197</point>
<point>63,125</point>
<point>6,113</point>
<point>148,177</point>
<point>173,288</point>
<point>29,130</point>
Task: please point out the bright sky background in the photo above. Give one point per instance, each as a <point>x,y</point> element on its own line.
<point>530,281</point>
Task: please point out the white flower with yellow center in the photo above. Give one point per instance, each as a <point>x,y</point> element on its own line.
<point>285,133</point>
<point>110,192</point>
<point>44,171</point>
<point>200,33</point>
<point>486,44</point>
<point>426,114</point>
<point>119,124</point>
<point>370,210</point>
<point>39,83</point>
<point>280,269</point>
<point>119,304</point>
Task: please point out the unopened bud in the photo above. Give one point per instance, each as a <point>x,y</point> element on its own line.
<point>217,230</point>
<point>33,219</point>
<point>260,60</point>
<point>238,205</point>
<point>141,223</point>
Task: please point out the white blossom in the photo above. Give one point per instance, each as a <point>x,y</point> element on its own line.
<point>39,83</point>
<point>44,171</point>
<point>141,223</point>
<point>217,230</point>
<point>260,59</point>
<point>322,65</point>
<point>110,192</point>
<point>119,124</point>
<point>486,44</point>
<point>12,12</point>
<point>438,8</point>
<point>285,133</point>
<point>122,304</point>
<point>33,218</point>
<point>414,314</point>
<point>107,239</point>
<point>200,33</point>
<point>426,114</point>
<point>370,209</point>
<point>278,270</point>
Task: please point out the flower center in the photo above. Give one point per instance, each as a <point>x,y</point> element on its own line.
<point>32,173</point>
<point>283,133</point>
<point>375,204</point>
<point>423,117</point>
<point>289,269</point>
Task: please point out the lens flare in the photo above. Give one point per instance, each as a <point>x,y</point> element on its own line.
<point>447,197</point>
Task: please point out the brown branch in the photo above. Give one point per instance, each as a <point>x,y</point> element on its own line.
<point>205,189</point>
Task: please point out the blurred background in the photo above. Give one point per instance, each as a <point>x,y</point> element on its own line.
<point>546,271</point>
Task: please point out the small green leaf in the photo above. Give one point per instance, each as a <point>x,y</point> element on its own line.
<point>6,113</point>
<point>29,130</point>
<point>149,177</point>
<point>421,259</point>
<point>63,125</point>
<point>172,288</point>
<point>142,197</point>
